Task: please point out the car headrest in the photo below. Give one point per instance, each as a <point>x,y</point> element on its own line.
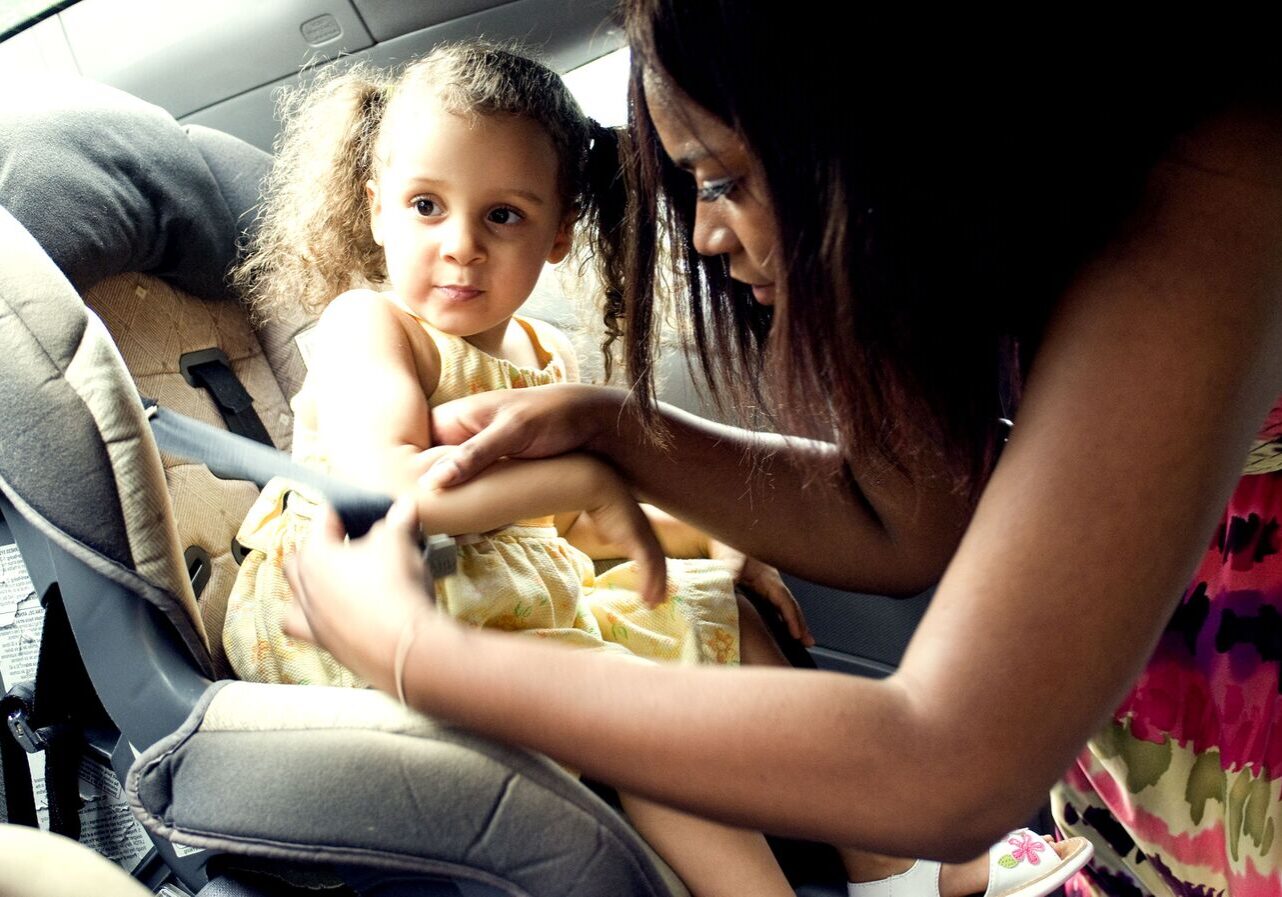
<point>109,184</point>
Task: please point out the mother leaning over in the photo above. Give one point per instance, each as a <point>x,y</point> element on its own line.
<point>892,250</point>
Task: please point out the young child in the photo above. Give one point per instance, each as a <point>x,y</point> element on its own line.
<point>449,186</point>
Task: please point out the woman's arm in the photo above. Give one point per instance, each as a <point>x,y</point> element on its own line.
<point>1160,364</point>
<point>369,381</point>
<point>767,495</point>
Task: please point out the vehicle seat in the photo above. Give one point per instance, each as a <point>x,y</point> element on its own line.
<point>116,229</point>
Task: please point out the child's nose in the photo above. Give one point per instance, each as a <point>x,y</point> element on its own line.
<point>462,243</point>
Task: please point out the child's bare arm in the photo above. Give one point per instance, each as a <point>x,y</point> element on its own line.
<point>513,490</point>
<point>681,540</point>
<point>678,538</point>
<point>372,372</point>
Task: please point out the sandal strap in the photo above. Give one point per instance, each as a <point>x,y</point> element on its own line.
<point>921,879</point>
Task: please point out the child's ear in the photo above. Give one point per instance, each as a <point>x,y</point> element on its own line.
<point>375,209</point>
<point>563,241</point>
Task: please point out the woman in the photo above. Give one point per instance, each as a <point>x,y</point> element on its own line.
<point>894,270</point>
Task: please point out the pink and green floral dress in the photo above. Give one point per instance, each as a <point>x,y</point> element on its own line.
<point>1180,793</point>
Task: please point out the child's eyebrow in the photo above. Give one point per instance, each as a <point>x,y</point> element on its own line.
<point>537,199</point>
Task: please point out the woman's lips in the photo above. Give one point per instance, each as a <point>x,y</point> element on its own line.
<point>453,291</point>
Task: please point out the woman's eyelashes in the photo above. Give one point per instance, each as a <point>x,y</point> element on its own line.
<point>718,188</point>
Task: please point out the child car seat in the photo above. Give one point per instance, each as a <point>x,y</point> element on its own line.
<point>116,229</point>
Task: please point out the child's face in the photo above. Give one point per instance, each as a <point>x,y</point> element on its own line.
<point>467,210</point>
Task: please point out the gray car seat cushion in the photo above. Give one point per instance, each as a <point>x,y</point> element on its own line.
<point>42,324</point>
<point>349,776</point>
<point>69,416</point>
<point>108,184</point>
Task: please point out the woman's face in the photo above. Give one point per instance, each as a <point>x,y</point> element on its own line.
<point>733,217</point>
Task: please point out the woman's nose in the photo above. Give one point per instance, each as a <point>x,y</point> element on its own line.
<point>713,234</point>
<point>462,243</point>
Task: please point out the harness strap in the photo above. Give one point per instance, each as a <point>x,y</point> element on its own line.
<point>210,369</point>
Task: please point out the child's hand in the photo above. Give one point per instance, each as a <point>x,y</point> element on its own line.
<point>619,520</point>
<point>354,598</point>
<point>766,582</point>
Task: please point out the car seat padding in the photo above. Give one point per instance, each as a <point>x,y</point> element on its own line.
<point>109,184</point>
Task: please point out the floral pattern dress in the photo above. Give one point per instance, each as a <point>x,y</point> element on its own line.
<point>522,577</point>
<point>1180,793</point>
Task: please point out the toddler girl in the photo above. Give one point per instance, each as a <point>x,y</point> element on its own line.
<point>448,187</point>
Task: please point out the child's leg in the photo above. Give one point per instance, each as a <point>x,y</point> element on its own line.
<point>757,647</point>
<point>712,859</point>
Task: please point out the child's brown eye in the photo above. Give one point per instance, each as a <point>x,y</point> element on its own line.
<point>505,216</point>
<point>426,207</point>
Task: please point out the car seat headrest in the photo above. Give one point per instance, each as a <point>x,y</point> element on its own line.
<point>109,184</point>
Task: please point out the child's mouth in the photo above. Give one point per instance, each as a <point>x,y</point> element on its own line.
<point>458,293</point>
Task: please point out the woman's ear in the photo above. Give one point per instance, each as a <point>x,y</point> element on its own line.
<point>563,241</point>
<point>375,209</point>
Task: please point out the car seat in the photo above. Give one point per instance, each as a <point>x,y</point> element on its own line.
<point>116,229</point>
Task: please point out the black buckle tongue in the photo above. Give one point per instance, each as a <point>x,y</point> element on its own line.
<point>16,705</point>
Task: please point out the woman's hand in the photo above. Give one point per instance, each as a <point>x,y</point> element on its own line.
<point>765,581</point>
<point>354,599</point>
<point>538,422</point>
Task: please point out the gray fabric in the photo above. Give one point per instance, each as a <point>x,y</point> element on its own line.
<point>46,431</point>
<point>108,184</point>
<point>407,795</point>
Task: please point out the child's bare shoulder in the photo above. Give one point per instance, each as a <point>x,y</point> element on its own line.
<point>361,312</point>
<point>359,306</point>
<point>371,321</point>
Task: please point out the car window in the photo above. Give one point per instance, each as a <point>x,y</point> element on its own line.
<point>601,87</point>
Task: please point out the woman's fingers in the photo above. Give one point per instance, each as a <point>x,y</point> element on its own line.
<point>482,432</point>
<point>296,625</point>
<point>465,461</point>
<point>538,422</point>
<point>790,610</point>
<point>328,526</point>
<point>402,516</point>
<point>767,582</point>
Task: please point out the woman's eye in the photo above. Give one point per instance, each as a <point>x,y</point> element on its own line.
<point>505,216</point>
<point>426,207</point>
<point>710,191</point>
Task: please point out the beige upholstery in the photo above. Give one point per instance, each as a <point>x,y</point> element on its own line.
<point>154,324</point>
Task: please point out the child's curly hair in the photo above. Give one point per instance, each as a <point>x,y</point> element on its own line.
<point>313,239</point>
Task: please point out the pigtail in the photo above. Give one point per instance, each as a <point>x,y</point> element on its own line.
<point>313,239</point>
<point>603,212</point>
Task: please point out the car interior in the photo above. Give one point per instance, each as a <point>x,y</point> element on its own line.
<point>132,143</point>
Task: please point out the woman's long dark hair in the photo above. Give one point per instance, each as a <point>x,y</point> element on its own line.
<point>932,203</point>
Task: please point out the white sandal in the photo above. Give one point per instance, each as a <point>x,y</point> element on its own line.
<point>1023,864</point>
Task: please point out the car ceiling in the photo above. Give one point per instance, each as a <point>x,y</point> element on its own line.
<point>221,64</point>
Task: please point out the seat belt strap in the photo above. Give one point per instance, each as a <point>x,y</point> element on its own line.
<point>233,457</point>
<point>49,715</point>
<point>210,369</point>
<point>19,801</point>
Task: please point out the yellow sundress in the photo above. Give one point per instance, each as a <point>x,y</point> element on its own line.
<point>521,577</point>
